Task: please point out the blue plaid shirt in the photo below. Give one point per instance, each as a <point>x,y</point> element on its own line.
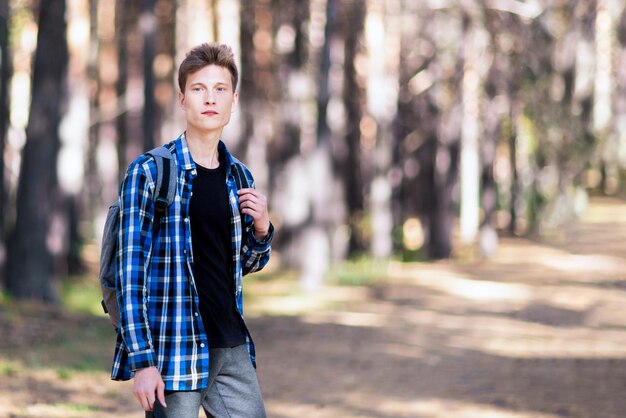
<point>160,324</point>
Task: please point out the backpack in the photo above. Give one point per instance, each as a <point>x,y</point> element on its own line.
<point>166,187</point>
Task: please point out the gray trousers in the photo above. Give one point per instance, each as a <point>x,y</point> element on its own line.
<point>233,390</point>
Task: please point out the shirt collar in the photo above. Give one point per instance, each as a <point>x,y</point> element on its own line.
<point>185,159</point>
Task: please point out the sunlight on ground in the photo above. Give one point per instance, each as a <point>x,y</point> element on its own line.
<point>596,264</point>
<point>436,408</point>
<point>378,406</point>
<point>67,394</point>
<point>284,297</point>
<point>457,285</point>
<point>591,328</point>
<point>604,210</point>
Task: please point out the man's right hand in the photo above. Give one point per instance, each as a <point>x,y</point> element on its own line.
<point>147,383</point>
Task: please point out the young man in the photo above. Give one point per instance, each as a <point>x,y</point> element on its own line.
<point>182,335</point>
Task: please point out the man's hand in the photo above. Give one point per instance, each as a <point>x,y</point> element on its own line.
<point>147,383</point>
<point>254,203</point>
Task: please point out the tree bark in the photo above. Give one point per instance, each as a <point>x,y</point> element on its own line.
<point>148,24</point>
<point>247,75</point>
<point>30,262</point>
<point>349,166</point>
<point>5,76</point>
<point>121,122</point>
<point>93,184</point>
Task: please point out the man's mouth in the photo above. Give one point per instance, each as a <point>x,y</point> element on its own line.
<point>210,113</point>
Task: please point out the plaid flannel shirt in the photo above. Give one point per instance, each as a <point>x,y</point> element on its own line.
<point>160,324</point>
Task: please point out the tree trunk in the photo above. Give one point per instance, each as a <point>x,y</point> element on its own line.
<point>5,76</point>
<point>30,262</point>
<point>148,25</point>
<point>93,184</point>
<point>121,122</point>
<point>348,164</point>
<point>315,243</point>
<point>469,164</point>
<point>247,75</point>
<point>430,129</point>
<point>283,155</point>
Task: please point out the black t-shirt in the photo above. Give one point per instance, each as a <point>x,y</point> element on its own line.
<point>209,212</point>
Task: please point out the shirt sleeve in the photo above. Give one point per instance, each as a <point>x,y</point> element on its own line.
<point>134,250</point>
<point>255,253</point>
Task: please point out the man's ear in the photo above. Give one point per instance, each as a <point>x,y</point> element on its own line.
<point>235,100</point>
<point>181,99</point>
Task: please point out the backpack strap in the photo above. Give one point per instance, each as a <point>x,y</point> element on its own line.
<point>165,186</point>
<point>240,177</point>
<point>166,176</point>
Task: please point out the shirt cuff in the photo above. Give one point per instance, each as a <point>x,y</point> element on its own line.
<point>141,359</point>
<point>265,243</point>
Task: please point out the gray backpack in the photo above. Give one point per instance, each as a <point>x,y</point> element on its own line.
<point>165,190</point>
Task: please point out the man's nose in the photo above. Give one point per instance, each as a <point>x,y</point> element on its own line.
<point>210,96</point>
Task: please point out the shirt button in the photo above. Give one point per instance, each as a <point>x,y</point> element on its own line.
<point>196,314</point>
<point>202,345</point>
<point>186,220</point>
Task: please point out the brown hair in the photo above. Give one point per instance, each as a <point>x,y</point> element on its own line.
<point>208,54</point>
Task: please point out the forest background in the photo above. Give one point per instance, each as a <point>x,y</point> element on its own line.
<point>446,177</point>
<point>378,129</point>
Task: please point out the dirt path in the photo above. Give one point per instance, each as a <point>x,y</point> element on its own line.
<point>538,331</point>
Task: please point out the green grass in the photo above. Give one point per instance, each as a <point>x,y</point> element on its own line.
<point>359,272</point>
<point>82,295</point>
<point>8,368</point>
<point>75,407</point>
<point>76,338</point>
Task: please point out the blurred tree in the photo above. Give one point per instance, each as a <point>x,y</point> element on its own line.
<point>123,20</point>
<point>620,93</point>
<point>428,123</point>
<point>30,264</point>
<point>93,183</point>
<point>165,70</point>
<point>557,92</point>
<point>5,76</point>
<point>290,28</point>
<point>315,234</point>
<point>148,26</point>
<point>471,126</point>
<point>136,112</point>
<point>496,111</point>
<point>348,156</point>
<point>247,84</point>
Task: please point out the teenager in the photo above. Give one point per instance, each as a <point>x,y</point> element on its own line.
<point>182,336</point>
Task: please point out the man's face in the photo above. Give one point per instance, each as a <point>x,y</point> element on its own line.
<point>208,99</point>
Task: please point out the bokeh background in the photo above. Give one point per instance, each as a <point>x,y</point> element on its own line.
<point>446,179</point>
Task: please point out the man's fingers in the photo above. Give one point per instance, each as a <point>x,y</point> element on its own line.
<point>161,394</point>
<point>245,191</point>
<point>151,399</point>
<point>147,384</point>
<point>251,211</point>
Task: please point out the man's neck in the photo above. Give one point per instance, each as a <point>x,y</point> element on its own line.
<point>203,148</point>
